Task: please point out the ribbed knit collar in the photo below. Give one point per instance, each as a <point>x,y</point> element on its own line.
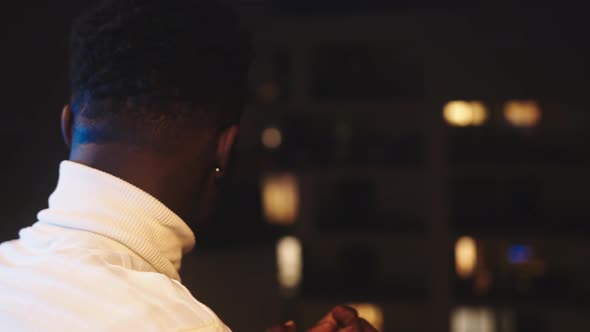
<point>90,200</point>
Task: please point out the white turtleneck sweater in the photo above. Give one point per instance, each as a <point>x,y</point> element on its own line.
<point>103,257</point>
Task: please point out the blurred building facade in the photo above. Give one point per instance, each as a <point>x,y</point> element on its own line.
<point>387,185</point>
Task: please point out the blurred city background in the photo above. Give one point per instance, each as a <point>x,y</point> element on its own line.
<point>426,163</point>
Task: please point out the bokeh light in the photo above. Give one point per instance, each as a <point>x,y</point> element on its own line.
<point>272,138</point>
<point>523,113</point>
<point>289,262</point>
<point>479,113</point>
<point>280,199</point>
<point>371,312</point>
<point>461,113</point>
<point>465,257</point>
<point>519,254</point>
<point>458,113</point>
<point>473,319</point>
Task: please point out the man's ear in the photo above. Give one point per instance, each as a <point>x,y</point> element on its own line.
<point>67,125</point>
<point>226,141</point>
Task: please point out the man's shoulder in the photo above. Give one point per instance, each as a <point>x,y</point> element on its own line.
<point>169,299</point>
<point>172,304</point>
<point>68,290</point>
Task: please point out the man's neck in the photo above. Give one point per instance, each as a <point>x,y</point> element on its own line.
<point>167,177</point>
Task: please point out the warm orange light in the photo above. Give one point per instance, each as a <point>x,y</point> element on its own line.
<point>280,198</point>
<point>479,113</point>
<point>465,257</point>
<point>272,138</point>
<point>523,113</point>
<point>371,312</point>
<point>461,113</point>
<point>289,262</point>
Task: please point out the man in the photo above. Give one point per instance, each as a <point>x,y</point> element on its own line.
<point>157,92</point>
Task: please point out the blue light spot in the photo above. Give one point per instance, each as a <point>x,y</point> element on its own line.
<point>518,254</point>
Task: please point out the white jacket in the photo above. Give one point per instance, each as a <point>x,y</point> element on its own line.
<point>103,257</point>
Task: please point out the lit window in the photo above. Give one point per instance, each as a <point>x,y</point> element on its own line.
<point>479,113</point>
<point>519,254</point>
<point>371,312</point>
<point>289,262</point>
<point>465,113</point>
<point>522,113</point>
<point>272,138</point>
<point>280,198</point>
<point>472,320</point>
<point>465,257</point>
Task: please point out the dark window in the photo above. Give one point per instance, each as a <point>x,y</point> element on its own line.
<point>363,73</point>
<point>281,67</point>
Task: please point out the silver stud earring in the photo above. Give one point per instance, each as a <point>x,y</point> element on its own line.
<point>218,175</point>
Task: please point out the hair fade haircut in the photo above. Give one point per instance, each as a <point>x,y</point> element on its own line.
<point>155,53</point>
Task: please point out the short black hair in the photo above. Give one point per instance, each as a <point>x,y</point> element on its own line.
<point>158,51</point>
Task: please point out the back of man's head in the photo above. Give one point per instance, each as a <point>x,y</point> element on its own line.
<point>137,65</point>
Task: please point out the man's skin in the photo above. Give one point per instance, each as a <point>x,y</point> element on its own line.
<point>179,166</point>
<point>341,319</point>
